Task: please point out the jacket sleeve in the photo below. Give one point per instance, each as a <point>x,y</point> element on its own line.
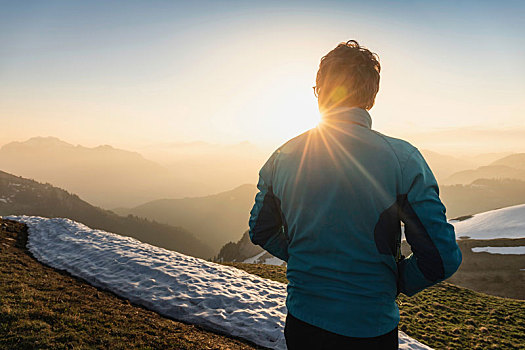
<point>435,253</point>
<point>267,227</point>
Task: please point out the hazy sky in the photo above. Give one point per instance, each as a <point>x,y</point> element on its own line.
<point>136,73</point>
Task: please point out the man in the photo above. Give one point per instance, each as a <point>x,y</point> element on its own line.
<point>331,203</point>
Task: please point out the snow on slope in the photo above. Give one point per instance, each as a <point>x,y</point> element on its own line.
<point>253,259</point>
<point>520,250</point>
<point>274,261</point>
<point>500,223</point>
<point>264,258</point>
<point>219,297</point>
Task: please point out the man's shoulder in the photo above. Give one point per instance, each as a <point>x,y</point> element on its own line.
<point>293,142</point>
<point>287,147</point>
<point>401,148</point>
<point>397,143</point>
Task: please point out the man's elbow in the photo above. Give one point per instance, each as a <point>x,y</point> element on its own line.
<point>451,262</point>
<point>253,229</point>
<point>253,237</point>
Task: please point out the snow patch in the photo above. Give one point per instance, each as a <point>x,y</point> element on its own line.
<point>267,261</point>
<point>520,250</point>
<point>501,223</point>
<point>274,261</point>
<point>219,297</point>
<point>254,259</point>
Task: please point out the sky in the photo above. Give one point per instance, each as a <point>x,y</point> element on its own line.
<point>136,74</point>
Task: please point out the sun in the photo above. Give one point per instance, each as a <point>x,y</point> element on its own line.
<point>293,110</point>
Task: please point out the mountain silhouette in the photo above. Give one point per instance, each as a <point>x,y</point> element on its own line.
<point>110,177</point>
<point>509,167</point>
<point>28,197</point>
<point>215,219</point>
<point>514,160</point>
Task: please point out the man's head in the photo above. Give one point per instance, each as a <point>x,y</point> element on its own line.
<point>348,76</point>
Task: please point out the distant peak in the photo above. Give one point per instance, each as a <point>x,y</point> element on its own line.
<point>42,141</point>
<point>244,187</point>
<point>48,139</point>
<point>105,147</point>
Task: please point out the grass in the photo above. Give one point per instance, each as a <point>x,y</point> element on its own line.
<point>494,274</point>
<point>446,316</point>
<point>42,308</point>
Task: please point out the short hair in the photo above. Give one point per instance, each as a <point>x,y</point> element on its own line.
<point>348,76</point>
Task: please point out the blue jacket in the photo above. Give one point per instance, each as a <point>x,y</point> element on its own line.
<point>330,204</point>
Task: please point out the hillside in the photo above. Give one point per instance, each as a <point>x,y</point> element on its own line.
<point>492,257</point>
<point>214,219</point>
<point>485,172</point>
<point>494,274</point>
<point>482,195</point>
<point>509,167</point>
<point>24,196</point>
<point>48,309</point>
<point>238,251</point>
<point>444,165</point>
<point>514,160</point>
<point>245,251</point>
<point>445,316</point>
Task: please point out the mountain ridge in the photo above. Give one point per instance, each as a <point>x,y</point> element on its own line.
<point>28,197</point>
<point>508,167</point>
<point>127,178</point>
<point>216,219</point>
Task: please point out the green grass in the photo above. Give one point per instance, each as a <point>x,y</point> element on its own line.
<point>446,316</point>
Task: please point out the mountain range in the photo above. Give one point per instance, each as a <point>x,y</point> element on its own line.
<point>110,177</point>
<point>103,175</point>
<point>197,169</point>
<point>510,167</point>
<point>215,219</point>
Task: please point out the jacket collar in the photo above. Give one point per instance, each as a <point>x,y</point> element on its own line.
<point>353,115</point>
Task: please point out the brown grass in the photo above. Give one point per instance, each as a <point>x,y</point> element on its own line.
<point>43,308</point>
<point>495,274</point>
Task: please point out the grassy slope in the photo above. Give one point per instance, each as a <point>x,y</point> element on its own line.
<point>446,316</point>
<point>494,274</point>
<point>43,308</point>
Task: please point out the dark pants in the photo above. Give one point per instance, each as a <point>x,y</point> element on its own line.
<point>303,336</point>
